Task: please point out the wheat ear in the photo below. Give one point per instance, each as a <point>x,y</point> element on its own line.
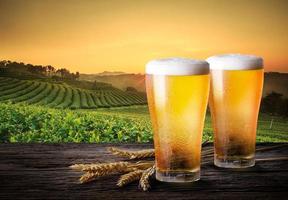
<point>103,169</point>
<point>77,166</point>
<point>129,178</point>
<point>142,164</point>
<point>107,167</point>
<point>147,153</point>
<point>113,167</point>
<point>91,176</point>
<point>144,183</point>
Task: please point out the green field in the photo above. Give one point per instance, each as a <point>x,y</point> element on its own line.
<point>62,95</point>
<point>48,111</point>
<point>28,123</point>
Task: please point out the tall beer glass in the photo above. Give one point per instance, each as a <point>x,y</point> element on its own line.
<point>177,91</point>
<point>236,90</point>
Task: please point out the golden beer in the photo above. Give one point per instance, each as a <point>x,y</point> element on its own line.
<point>236,90</point>
<point>177,91</point>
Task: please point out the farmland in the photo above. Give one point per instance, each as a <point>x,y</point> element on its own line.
<point>29,123</point>
<point>62,95</point>
<point>34,110</point>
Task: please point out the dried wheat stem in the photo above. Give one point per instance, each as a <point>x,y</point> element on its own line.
<point>107,167</point>
<point>91,176</point>
<point>77,166</point>
<point>144,183</point>
<point>146,153</point>
<point>129,177</point>
<point>141,164</point>
<point>97,170</point>
<point>113,167</point>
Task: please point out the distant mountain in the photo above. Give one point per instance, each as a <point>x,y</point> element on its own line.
<point>274,81</point>
<point>121,81</point>
<point>107,73</point>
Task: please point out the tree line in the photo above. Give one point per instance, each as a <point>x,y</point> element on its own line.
<point>275,104</point>
<point>7,66</point>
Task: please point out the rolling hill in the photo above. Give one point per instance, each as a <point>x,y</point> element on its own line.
<point>121,81</point>
<point>62,95</point>
<point>274,81</point>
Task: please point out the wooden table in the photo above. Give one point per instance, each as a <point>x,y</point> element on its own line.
<point>40,171</point>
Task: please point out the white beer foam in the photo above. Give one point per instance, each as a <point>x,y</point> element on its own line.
<point>177,66</point>
<point>235,62</point>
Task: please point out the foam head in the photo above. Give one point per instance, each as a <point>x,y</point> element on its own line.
<point>235,62</point>
<point>177,66</point>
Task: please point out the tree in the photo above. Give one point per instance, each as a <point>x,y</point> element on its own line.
<point>64,73</point>
<point>131,89</point>
<point>77,75</point>
<point>51,70</point>
<point>272,103</point>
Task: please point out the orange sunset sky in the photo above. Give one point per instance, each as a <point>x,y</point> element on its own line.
<point>122,35</point>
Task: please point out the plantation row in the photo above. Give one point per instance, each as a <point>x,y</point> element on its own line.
<point>63,96</point>
<point>28,123</point>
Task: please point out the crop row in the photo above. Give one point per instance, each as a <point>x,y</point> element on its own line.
<point>64,96</point>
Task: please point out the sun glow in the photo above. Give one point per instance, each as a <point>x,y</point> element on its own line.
<point>94,36</point>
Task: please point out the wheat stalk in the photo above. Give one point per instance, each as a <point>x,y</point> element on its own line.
<point>113,167</point>
<point>147,153</point>
<point>129,177</point>
<point>91,176</point>
<point>141,164</point>
<point>144,183</point>
<point>102,169</point>
<point>77,166</point>
<point>94,171</point>
<point>107,167</point>
<point>141,170</point>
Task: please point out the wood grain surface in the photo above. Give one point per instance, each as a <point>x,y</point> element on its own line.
<point>40,171</point>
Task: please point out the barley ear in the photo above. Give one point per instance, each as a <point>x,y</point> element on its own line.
<point>91,176</point>
<point>129,178</point>
<point>109,167</point>
<point>119,152</point>
<point>77,166</point>
<point>146,153</point>
<point>144,183</point>
<point>87,177</point>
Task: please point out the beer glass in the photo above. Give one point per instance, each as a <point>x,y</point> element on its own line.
<point>177,91</point>
<point>236,90</point>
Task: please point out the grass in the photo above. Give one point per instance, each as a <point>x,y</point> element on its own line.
<point>27,123</point>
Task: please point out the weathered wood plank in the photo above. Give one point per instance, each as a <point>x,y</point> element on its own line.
<point>40,171</point>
